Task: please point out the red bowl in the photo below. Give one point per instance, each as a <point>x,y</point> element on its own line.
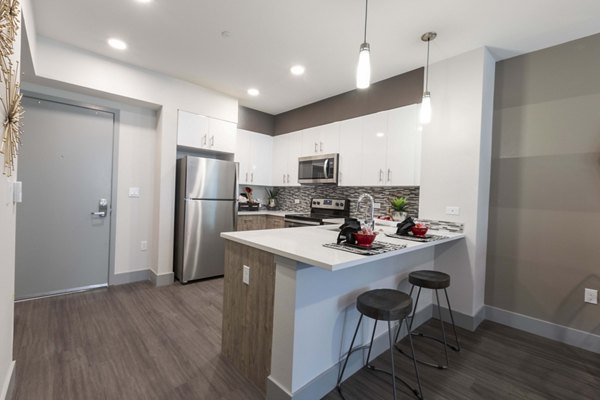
<point>419,231</point>
<point>364,240</point>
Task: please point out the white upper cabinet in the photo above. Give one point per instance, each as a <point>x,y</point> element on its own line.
<point>198,131</point>
<point>322,139</point>
<point>254,154</point>
<point>403,158</point>
<point>351,137</point>
<point>375,135</point>
<point>286,150</point>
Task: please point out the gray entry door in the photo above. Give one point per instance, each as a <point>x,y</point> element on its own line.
<point>65,164</point>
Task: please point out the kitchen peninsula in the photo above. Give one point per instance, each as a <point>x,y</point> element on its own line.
<point>285,329</point>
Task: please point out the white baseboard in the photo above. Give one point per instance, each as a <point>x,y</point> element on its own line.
<point>130,277</point>
<point>9,383</point>
<point>559,333</point>
<point>162,279</point>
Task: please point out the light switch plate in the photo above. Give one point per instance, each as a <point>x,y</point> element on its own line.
<point>296,201</point>
<point>134,192</point>
<point>143,245</point>
<point>376,205</point>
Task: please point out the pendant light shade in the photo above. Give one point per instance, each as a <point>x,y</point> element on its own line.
<point>425,112</point>
<point>363,69</point>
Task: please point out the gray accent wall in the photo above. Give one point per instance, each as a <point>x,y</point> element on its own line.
<point>543,247</point>
<point>397,91</point>
<point>256,121</point>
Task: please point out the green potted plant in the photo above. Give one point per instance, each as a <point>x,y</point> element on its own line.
<point>399,207</point>
<point>272,195</point>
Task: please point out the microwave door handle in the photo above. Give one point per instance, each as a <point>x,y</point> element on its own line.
<point>325,167</point>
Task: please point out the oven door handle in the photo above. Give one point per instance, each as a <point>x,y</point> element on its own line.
<point>325,168</point>
<point>301,222</point>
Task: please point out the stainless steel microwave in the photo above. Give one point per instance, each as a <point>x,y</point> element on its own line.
<point>319,169</point>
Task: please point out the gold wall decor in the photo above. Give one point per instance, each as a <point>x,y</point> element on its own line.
<point>9,26</point>
<point>12,126</point>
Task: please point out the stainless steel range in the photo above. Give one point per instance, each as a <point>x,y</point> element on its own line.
<point>320,209</point>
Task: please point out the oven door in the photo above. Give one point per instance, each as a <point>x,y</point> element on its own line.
<point>319,169</point>
<point>296,223</point>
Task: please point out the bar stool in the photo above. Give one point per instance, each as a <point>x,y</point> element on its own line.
<point>383,305</point>
<point>434,280</point>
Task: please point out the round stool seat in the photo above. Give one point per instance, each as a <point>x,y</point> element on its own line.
<point>384,304</point>
<point>429,279</point>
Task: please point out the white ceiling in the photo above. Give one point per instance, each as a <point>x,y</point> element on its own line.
<point>182,38</point>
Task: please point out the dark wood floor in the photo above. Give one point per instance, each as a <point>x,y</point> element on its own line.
<point>140,342</point>
<point>496,363</point>
<point>127,342</point>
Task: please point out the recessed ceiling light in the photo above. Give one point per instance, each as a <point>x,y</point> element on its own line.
<point>380,134</point>
<point>253,92</point>
<point>144,1</point>
<point>297,70</point>
<point>117,44</point>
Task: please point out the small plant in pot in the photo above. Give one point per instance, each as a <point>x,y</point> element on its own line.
<point>272,196</point>
<point>399,207</point>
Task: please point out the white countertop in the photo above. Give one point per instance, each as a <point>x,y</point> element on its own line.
<point>305,245</point>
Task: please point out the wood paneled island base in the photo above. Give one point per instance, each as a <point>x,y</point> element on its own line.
<point>248,312</point>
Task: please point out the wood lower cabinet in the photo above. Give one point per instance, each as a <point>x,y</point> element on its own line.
<point>257,222</point>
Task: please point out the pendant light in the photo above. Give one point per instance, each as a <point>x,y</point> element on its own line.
<point>363,70</point>
<point>425,113</point>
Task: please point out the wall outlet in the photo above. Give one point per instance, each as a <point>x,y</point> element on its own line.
<point>591,296</point>
<point>296,201</point>
<point>246,275</point>
<point>144,245</point>
<point>134,192</point>
<point>376,205</point>
<point>452,210</point>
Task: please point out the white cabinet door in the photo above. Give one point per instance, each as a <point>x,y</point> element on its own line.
<point>375,132</point>
<point>280,160</point>
<point>242,155</point>
<point>222,135</point>
<point>310,141</point>
<point>350,148</point>
<point>261,160</point>
<point>294,143</point>
<point>403,157</point>
<point>329,141</point>
<point>192,130</point>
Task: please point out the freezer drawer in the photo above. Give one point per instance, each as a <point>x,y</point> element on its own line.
<point>203,248</point>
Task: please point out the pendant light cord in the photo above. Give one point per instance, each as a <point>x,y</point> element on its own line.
<point>366,11</point>
<point>427,70</point>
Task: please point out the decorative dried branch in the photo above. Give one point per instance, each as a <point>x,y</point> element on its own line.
<point>9,26</point>
<point>13,124</point>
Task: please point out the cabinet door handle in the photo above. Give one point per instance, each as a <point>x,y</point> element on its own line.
<point>321,146</point>
<point>381,176</point>
<point>251,176</point>
<point>212,141</point>
<point>246,177</point>
<point>283,178</point>
<point>316,144</point>
<point>288,176</point>
<point>204,140</point>
<point>389,175</point>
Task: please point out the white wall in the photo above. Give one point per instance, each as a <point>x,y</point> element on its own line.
<point>81,71</point>
<point>456,157</point>
<point>7,259</point>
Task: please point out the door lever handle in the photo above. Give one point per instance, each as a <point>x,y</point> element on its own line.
<point>99,214</point>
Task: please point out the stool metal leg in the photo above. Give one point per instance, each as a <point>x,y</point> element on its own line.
<point>457,347</point>
<point>392,357</point>
<point>371,345</point>
<point>413,314</point>
<point>414,359</point>
<point>437,296</point>
<point>348,355</point>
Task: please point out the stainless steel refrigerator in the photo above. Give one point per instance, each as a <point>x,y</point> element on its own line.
<point>205,206</point>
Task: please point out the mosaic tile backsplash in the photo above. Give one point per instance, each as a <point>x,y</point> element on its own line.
<point>382,195</point>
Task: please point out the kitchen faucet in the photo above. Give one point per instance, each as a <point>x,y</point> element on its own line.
<point>369,222</point>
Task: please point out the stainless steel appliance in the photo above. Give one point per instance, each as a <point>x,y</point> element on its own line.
<point>321,169</point>
<point>205,206</point>
<point>320,209</point>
